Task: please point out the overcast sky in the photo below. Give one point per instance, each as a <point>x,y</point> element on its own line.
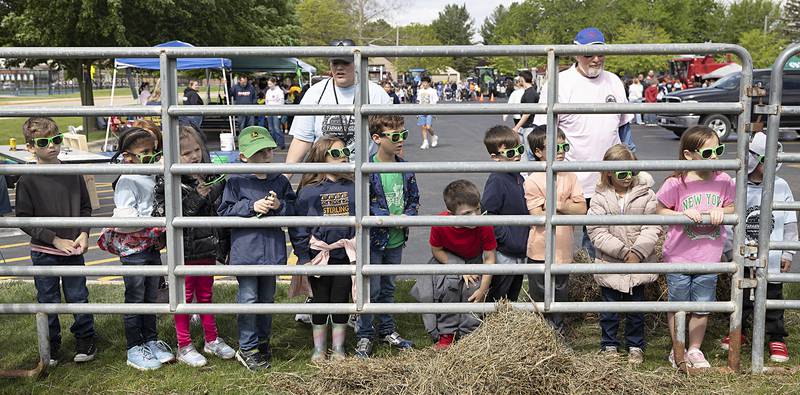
<point>425,11</point>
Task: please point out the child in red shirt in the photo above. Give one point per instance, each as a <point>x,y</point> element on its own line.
<point>460,244</point>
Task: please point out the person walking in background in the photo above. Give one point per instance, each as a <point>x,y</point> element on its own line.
<point>244,94</point>
<point>635,95</point>
<point>275,97</point>
<point>426,95</point>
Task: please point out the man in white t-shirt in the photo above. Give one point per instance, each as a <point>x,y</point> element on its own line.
<point>427,95</point>
<point>589,135</point>
<point>339,89</point>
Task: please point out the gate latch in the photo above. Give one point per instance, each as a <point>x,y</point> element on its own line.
<point>767,109</point>
<point>755,127</point>
<point>756,91</point>
<point>746,283</point>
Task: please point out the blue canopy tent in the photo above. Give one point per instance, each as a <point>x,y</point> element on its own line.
<point>155,64</point>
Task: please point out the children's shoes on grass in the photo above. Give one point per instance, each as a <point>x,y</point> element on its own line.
<point>140,357</point>
<point>219,349</point>
<point>778,352</point>
<point>444,342</point>
<point>161,351</point>
<point>635,355</point>
<point>394,339</point>
<point>189,355</point>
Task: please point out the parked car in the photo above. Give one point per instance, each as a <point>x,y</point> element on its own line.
<point>727,90</point>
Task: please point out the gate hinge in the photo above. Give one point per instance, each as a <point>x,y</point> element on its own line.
<point>754,127</point>
<point>746,283</point>
<point>767,109</point>
<point>756,91</point>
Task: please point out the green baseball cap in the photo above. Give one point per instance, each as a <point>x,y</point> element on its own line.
<point>253,139</point>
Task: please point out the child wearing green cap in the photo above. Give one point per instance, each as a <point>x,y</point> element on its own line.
<point>250,195</point>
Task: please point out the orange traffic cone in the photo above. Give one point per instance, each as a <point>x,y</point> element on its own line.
<point>480,98</point>
<point>491,98</point>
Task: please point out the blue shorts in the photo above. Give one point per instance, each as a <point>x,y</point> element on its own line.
<point>424,120</point>
<point>692,288</point>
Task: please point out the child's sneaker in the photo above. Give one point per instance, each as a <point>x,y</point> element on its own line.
<point>424,144</point>
<point>85,349</point>
<point>161,351</point>
<point>252,359</point>
<point>195,321</point>
<point>672,358</point>
<point>338,353</point>
<point>696,359</point>
<point>364,348</point>
<point>395,340</point>
<point>219,348</point>
<point>140,357</point>
<point>189,355</point>
<point>635,355</point>
<point>303,318</point>
<point>444,342</point>
<point>55,356</point>
<point>725,343</point>
<point>352,320</point>
<point>434,141</point>
<point>609,351</point>
<point>778,352</point>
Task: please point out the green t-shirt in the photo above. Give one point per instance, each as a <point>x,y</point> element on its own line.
<point>393,189</point>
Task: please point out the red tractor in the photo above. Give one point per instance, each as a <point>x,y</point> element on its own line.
<point>690,68</point>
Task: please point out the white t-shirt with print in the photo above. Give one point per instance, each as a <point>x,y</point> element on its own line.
<point>427,96</point>
<point>309,128</point>
<point>274,97</point>
<point>589,135</point>
<point>781,194</point>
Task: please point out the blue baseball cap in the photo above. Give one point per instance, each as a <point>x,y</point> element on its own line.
<point>589,36</point>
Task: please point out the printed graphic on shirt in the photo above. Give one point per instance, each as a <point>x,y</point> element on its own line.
<point>395,197</point>
<point>706,199</point>
<point>751,223</point>
<point>424,97</point>
<point>335,204</point>
<point>243,93</point>
<point>334,125</point>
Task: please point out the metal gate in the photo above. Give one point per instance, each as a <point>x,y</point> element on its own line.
<point>362,221</point>
<point>761,262</point>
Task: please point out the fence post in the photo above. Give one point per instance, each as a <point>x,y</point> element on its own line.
<point>172,183</point>
<point>550,180</point>
<point>742,143</point>
<point>361,127</point>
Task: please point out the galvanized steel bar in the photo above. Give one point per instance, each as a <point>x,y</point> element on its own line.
<point>452,220</point>
<point>253,109</point>
<point>453,167</point>
<point>561,268</point>
<point>77,222</point>
<point>593,166</point>
<point>789,110</point>
<point>172,182</point>
<point>742,142</point>
<point>785,157</point>
<point>265,270</point>
<point>786,206</point>
<point>550,178</point>
<point>773,304</point>
<point>67,168</point>
<point>67,111</point>
<point>263,222</point>
<point>765,216</point>
<point>559,108</point>
<point>267,168</point>
<point>783,277</point>
<point>361,97</point>
<point>626,219</point>
<point>84,308</point>
<point>83,271</point>
<point>784,245</point>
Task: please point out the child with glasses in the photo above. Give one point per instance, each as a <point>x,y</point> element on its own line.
<point>327,194</point>
<point>390,194</point>
<point>247,196</point>
<point>134,198</point>
<point>458,245</point>
<point>784,228</point>
<point>200,196</point>
<point>56,196</point>
<point>623,192</point>
<point>694,193</point>
<point>569,201</point>
<point>504,194</point>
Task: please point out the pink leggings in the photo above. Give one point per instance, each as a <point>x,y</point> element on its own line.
<point>201,288</point>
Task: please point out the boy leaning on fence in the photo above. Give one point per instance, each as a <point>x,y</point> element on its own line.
<point>784,228</point>
<point>457,245</point>
<point>57,196</point>
<point>390,194</point>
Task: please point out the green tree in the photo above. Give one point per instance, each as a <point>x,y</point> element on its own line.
<point>746,15</point>
<point>636,33</point>
<point>490,24</point>
<point>764,48</point>
<point>791,20</point>
<point>415,35</point>
<point>92,23</point>
<point>322,21</point>
<point>454,26</point>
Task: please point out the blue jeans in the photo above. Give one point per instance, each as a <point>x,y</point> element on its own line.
<point>244,121</point>
<point>255,328</point>
<point>634,322</point>
<point>141,328</point>
<point>626,137</point>
<point>381,290</point>
<point>586,242</point>
<point>692,288</point>
<point>48,290</point>
<point>276,130</point>
<point>261,120</point>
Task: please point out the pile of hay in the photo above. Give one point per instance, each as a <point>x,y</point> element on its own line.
<point>512,352</point>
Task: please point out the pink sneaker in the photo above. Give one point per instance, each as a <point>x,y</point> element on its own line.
<point>696,359</point>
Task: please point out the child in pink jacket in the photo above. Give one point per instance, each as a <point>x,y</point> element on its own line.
<point>623,192</point>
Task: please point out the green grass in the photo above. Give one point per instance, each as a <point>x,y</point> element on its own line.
<point>292,348</point>
<point>96,93</point>
<point>12,127</point>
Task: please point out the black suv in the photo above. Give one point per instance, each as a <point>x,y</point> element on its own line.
<point>727,90</point>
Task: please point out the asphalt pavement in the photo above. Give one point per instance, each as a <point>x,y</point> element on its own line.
<point>461,139</point>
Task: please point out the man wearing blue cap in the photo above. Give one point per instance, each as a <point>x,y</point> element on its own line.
<point>589,135</point>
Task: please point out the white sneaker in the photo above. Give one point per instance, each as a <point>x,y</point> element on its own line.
<point>195,321</point>
<point>219,348</point>
<point>696,359</point>
<point>424,145</point>
<point>191,357</point>
<point>434,141</point>
<point>303,318</point>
